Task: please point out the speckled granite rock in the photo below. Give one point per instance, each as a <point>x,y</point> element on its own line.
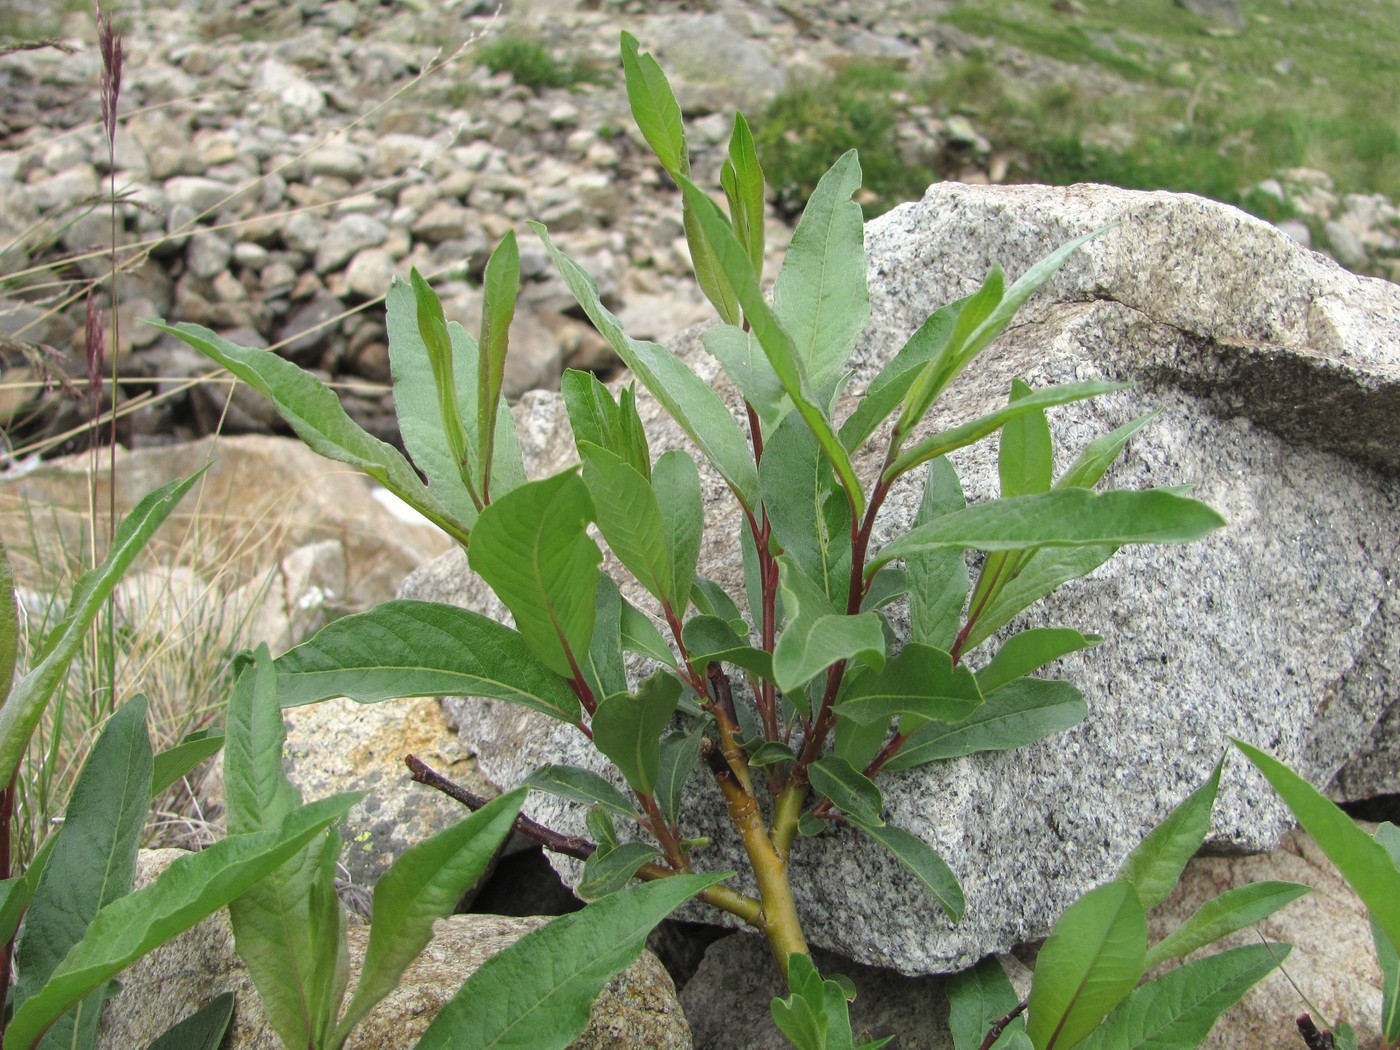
<point>638,1008</point>
<point>1279,376</point>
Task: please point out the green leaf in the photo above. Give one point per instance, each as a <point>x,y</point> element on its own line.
<point>815,637</point>
<point>1027,458</point>
<point>975,430</point>
<point>1178,1009</point>
<point>1098,455</point>
<point>977,999</point>
<point>676,482</point>
<point>640,635</point>
<point>432,330</point>
<point>627,727</point>
<point>1029,650</point>
<point>202,1030</point>
<point>743,359</point>
<point>313,410</point>
<point>9,627</point>
<point>816,1015</point>
<point>709,638</point>
<point>1017,714</point>
<point>820,298</point>
<point>174,763</point>
<point>679,753</point>
<point>1063,518</point>
<point>31,693</point>
<point>711,599</point>
<point>654,107</point>
<point>581,785</point>
<point>1091,961</point>
<point>1386,951</point>
<point>857,744</point>
<point>326,927</point>
<point>1363,862</point>
<point>597,419</point>
<point>850,791</point>
<point>425,884</point>
<point>411,648</point>
<point>274,921</point>
<point>629,517</point>
<point>1232,910</point>
<point>937,580</point>
<point>691,401</point>
<point>610,870</point>
<point>537,994</point>
<point>920,681</point>
<point>923,860</point>
<point>532,547</point>
<point>777,344</point>
<point>770,753</point>
<point>500,285</point>
<point>888,388</point>
<point>1041,573</point>
<point>19,891</point>
<point>92,864</point>
<point>1155,865</point>
<point>808,511</point>
<point>604,669</point>
<point>744,188</point>
<point>192,887</point>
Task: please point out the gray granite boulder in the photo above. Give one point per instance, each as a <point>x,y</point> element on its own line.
<point>1279,378</point>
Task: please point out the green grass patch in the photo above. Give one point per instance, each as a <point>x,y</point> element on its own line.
<point>531,66</point>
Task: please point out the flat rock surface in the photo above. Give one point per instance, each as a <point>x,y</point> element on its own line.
<point>1279,629</point>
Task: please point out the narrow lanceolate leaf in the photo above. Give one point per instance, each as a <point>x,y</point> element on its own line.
<point>425,884</point>
<point>919,681</point>
<point>1232,910</point>
<point>815,637</point>
<point>654,107</point>
<point>273,922</point>
<point>29,696</point>
<point>627,727</point>
<point>975,430</point>
<point>9,626</point>
<point>691,402</point>
<point>609,870</point>
<point>1363,862</point>
<point>977,999</point>
<point>676,482</point>
<point>410,648</point>
<point>190,889</point>
<point>1040,574</point>
<point>536,994</point>
<point>745,190</point>
<point>202,1030</point>
<point>937,580</point>
<point>629,517</point>
<point>808,512</point>
<point>532,546</point>
<point>820,297</point>
<point>887,389</point>
<point>500,285</point>
<point>777,344</point>
<point>1098,455</point>
<point>581,785</point>
<point>1017,714</point>
<point>175,763</point>
<point>1157,862</point>
<point>923,860</point>
<point>640,635</point>
<point>92,864</point>
<point>313,410</point>
<point>1178,1009</point>
<point>1091,961</point>
<point>1063,518</point>
<point>850,791</point>
<point>1030,650</point>
<point>432,330</point>
<point>1027,459</point>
